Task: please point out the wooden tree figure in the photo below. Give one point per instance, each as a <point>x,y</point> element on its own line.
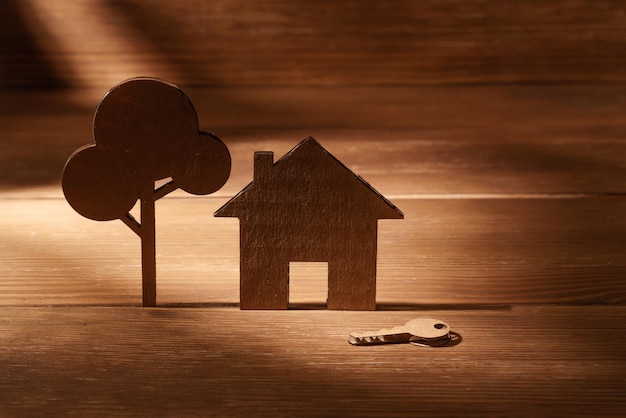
<point>307,206</point>
<point>144,130</point>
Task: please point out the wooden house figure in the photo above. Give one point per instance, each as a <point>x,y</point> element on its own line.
<point>307,207</point>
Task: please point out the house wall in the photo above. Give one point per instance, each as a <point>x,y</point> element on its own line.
<point>352,272</point>
<point>264,265</point>
<point>264,273</point>
<point>326,42</point>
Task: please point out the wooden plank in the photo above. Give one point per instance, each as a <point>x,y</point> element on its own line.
<point>445,251</point>
<point>517,362</point>
<point>566,139</point>
<point>279,42</point>
<point>504,251</point>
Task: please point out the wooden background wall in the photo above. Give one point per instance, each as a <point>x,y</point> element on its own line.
<point>95,43</point>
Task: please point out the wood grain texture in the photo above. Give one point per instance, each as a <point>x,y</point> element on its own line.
<point>459,140</point>
<point>517,362</point>
<point>278,42</point>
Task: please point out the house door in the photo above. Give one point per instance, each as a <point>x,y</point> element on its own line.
<point>308,284</point>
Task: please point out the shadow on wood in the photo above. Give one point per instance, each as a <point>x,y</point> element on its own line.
<point>144,130</point>
<point>307,207</point>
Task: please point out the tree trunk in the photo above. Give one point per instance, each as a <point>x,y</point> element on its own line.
<point>148,245</point>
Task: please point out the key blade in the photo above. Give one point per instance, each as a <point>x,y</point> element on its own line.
<point>372,338</point>
<point>382,336</point>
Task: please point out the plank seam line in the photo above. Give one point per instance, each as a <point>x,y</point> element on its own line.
<point>402,196</point>
<point>442,196</point>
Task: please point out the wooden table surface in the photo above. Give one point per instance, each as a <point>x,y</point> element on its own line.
<point>514,233</point>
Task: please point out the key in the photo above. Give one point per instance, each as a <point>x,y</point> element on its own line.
<point>422,331</point>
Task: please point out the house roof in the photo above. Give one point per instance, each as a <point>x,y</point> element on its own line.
<point>307,177</point>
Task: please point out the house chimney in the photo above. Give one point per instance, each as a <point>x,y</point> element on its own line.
<point>263,164</point>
